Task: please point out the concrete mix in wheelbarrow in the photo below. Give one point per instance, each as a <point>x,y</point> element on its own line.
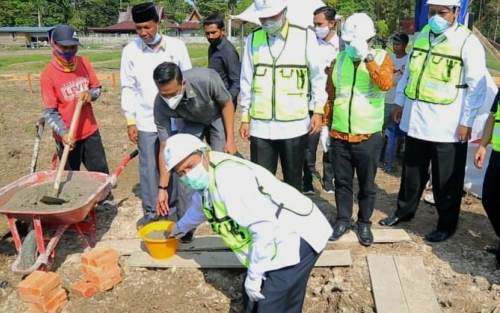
<point>76,191</point>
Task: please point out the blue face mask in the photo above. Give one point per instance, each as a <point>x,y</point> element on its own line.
<point>273,27</point>
<point>155,41</point>
<point>196,178</point>
<point>68,56</point>
<point>352,53</point>
<point>438,24</point>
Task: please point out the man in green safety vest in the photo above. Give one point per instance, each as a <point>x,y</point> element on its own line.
<point>282,79</point>
<point>491,184</point>
<point>359,78</point>
<point>275,231</point>
<point>438,99</point>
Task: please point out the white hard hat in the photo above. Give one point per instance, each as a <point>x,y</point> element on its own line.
<point>453,3</point>
<point>180,146</point>
<point>268,8</point>
<point>358,26</point>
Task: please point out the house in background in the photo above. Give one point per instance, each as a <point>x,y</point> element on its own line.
<point>125,25</point>
<point>30,37</point>
<point>192,24</point>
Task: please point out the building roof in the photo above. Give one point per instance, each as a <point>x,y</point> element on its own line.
<point>25,29</point>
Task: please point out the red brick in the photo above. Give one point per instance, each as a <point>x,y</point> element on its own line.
<point>38,285</point>
<point>109,283</point>
<point>104,282</point>
<point>84,288</point>
<point>95,275</point>
<point>55,301</point>
<point>100,257</point>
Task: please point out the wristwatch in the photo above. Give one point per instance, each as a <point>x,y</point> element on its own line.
<point>369,58</point>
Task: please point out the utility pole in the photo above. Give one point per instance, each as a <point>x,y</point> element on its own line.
<point>39,16</point>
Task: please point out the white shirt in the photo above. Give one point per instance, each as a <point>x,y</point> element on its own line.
<point>439,123</point>
<point>399,69</point>
<point>329,49</point>
<point>136,74</point>
<point>247,206</point>
<point>284,130</point>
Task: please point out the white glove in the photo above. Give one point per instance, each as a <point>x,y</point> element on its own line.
<point>252,288</point>
<point>324,137</point>
<point>361,46</point>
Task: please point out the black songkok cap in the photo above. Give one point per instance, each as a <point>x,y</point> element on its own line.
<point>144,12</point>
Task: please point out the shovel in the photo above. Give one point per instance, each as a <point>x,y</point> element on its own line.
<point>54,198</point>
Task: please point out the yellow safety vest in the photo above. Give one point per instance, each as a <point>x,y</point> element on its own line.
<point>436,71</point>
<point>280,85</point>
<point>359,103</point>
<point>496,131</point>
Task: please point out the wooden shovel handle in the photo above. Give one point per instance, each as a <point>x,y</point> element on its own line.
<point>64,158</point>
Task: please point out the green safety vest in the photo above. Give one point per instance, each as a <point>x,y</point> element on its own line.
<point>496,131</point>
<point>359,103</point>
<point>280,85</point>
<point>435,72</point>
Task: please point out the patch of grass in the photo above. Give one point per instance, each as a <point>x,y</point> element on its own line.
<point>493,63</point>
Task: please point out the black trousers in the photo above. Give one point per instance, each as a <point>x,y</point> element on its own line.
<point>88,151</point>
<point>310,163</point>
<point>285,289</point>
<point>448,171</point>
<point>363,158</point>
<point>491,191</point>
<point>291,152</point>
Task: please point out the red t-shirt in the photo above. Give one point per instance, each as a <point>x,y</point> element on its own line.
<point>60,91</point>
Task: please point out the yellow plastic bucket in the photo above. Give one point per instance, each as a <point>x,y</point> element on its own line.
<point>158,248</point>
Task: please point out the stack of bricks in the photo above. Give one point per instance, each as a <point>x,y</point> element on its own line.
<point>42,292</point>
<point>100,272</point>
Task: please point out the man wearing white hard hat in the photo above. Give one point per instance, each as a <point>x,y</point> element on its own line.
<point>276,232</point>
<point>359,78</point>
<point>438,99</point>
<point>282,79</point>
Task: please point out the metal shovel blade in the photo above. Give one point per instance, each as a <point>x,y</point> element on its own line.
<point>52,200</point>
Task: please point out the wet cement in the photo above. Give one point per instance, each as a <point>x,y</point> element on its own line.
<point>76,191</point>
<point>158,235</point>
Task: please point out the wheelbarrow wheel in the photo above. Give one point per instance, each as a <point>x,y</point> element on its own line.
<point>29,251</point>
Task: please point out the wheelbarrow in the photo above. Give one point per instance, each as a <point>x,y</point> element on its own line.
<point>37,251</point>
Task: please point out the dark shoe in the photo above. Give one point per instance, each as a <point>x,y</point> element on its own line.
<point>392,220</point>
<point>438,236</point>
<point>365,235</point>
<point>308,189</point>
<point>188,237</point>
<point>328,187</point>
<point>338,230</point>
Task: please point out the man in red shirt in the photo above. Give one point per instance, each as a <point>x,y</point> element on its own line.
<point>67,79</point>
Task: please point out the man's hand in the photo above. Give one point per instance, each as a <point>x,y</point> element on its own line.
<point>133,134</point>
<point>324,138</point>
<point>464,133</point>
<point>480,156</point>
<point>230,147</point>
<point>253,288</point>
<point>316,124</point>
<point>85,97</point>
<point>397,112</point>
<point>68,141</point>
<point>162,208</point>
<point>245,131</point>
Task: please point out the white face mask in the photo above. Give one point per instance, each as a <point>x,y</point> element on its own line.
<point>173,102</point>
<point>321,32</point>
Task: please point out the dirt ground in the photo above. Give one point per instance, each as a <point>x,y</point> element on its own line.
<point>461,271</point>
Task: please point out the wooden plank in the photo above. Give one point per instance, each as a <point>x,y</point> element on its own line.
<point>214,243</point>
<point>224,259</point>
<point>416,285</point>
<point>380,235</point>
<point>129,246</point>
<point>387,291</point>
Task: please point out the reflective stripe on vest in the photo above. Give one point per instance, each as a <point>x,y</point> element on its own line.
<point>436,71</point>
<point>359,103</point>
<point>280,85</point>
<point>496,131</point>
